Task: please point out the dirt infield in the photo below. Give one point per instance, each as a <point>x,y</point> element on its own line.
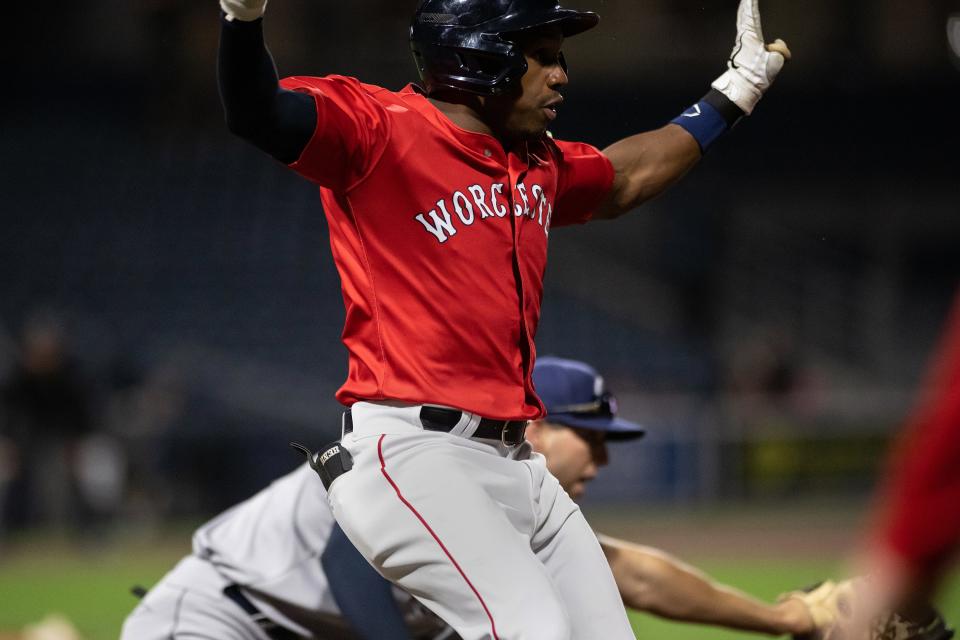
<point>798,531</point>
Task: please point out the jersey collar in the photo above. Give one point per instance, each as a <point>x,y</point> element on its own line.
<point>535,153</point>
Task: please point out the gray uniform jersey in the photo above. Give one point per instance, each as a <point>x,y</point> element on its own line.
<point>271,545</point>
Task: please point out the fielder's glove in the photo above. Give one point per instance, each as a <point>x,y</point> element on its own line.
<point>893,627</point>
<point>243,10</point>
<point>832,607</point>
<point>753,65</point>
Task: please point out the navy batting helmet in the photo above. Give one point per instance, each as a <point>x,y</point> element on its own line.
<point>459,44</point>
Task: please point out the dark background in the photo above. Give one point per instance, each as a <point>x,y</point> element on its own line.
<point>768,319</point>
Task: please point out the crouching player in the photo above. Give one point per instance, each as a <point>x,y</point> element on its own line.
<point>277,567</point>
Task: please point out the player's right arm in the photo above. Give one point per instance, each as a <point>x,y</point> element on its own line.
<point>257,109</point>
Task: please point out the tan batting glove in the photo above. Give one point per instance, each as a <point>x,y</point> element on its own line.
<point>243,10</point>
<point>830,606</point>
<point>753,65</point>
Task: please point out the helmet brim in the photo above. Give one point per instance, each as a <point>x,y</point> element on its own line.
<point>570,21</point>
<point>615,428</point>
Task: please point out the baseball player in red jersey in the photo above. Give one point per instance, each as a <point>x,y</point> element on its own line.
<point>920,532</point>
<point>916,533</point>
<point>916,530</point>
<point>440,199</point>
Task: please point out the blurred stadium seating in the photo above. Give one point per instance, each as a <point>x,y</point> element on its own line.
<point>782,301</point>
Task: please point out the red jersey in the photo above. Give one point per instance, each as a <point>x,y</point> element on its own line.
<point>922,524</point>
<point>440,239</point>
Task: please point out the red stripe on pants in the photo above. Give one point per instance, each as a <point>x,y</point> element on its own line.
<point>383,469</point>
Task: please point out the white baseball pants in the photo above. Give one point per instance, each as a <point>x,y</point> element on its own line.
<point>480,533</point>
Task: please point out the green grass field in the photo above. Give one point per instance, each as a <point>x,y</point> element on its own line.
<point>765,580</point>
<point>91,588</point>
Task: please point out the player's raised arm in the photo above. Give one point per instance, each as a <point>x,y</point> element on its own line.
<point>277,121</point>
<point>647,163</point>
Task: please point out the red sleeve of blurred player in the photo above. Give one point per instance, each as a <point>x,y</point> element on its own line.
<point>922,523</point>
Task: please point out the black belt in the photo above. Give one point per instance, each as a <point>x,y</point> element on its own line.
<point>509,432</point>
<point>268,626</point>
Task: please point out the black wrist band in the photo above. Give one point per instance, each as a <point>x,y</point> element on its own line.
<point>729,111</point>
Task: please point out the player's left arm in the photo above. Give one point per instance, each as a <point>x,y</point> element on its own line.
<point>653,581</point>
<point>358,589</point>
<point>647,164</point>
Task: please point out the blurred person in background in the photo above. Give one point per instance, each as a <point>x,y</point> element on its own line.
<point>9,463</point>
<point>144,412</point>
<point>46,416</point>
<point>9,467</point>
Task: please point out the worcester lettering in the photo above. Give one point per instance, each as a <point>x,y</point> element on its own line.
<point>476,203</point>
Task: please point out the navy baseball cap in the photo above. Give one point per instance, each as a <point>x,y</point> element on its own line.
<point>575,396</point>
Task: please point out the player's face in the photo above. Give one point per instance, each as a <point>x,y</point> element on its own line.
<point>573,455</point>
<point>529,112</point>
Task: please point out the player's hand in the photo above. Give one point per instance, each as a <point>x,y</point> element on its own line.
<point>243,10</point>
<point>829,605</point>
<point>844,611</point>
<point>753,65</point>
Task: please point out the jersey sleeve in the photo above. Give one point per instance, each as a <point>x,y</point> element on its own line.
<point>351,133</point>
<point>584,179</point>
<point>922,523</point>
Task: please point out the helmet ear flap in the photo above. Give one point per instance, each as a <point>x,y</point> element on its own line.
<point>478,65</point>
<point>493,71</point>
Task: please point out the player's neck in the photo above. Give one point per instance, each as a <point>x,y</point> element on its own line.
<point>465,113</point>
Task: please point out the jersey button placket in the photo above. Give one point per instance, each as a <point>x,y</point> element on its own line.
<point>517,170</point>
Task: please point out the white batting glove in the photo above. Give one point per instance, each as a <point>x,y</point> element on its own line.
<point>753,65</point>
<point>243,10</point>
